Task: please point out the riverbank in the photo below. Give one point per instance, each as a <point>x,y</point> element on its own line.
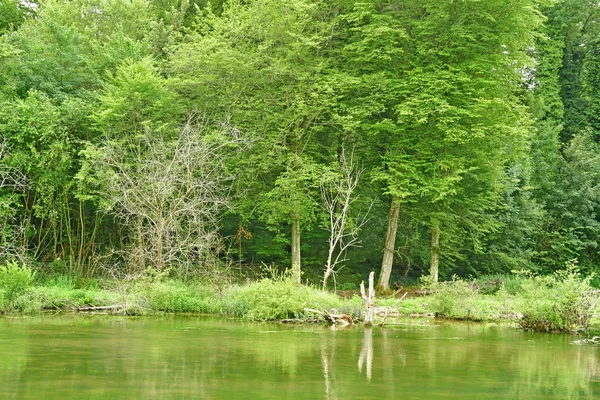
<point>563,302</point>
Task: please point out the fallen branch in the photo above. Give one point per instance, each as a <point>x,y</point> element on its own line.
<point>337,319</point>
<point>386,310</point>
<point>114,307</point>
<point>397,292</point>
<point>300,321</point>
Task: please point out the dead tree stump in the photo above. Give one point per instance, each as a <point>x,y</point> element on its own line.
<point>369,300</point>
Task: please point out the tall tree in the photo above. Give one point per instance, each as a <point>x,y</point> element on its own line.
<point>52,67</point>
<point>258,66</point>
<point>438,82</point>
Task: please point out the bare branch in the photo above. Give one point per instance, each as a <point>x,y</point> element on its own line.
<point>172,196</point>
<point>338,196</point>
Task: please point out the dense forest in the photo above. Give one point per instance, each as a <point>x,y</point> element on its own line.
<point>409,137</point>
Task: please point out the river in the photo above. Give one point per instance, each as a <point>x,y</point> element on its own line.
<point>109,357</point>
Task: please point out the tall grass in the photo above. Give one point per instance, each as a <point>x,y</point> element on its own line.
<point>279,297</point>
<point>562,302</point>
<point>271,298</point>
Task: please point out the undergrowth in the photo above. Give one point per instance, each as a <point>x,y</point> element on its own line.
<point>562,302</point>
<point>280,297</point>
<point>275,297</point>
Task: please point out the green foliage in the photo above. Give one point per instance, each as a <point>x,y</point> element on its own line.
<point>492,284</point>
<point>15,281</point>
<point>174,296</point>
<point>275,298</point>
<point>461,300</point>
<point>12,15</point>
<point>564,301</point>
<point>49,297</point>
<point>347,286</point>
<point>136,99</point>
<point>479,118</point>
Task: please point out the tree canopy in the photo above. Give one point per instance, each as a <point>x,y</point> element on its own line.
<point>474,125</point>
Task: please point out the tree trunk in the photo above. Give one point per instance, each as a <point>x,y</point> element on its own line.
<point>325,277</point>
<point>296,247</point>
<point>368,299</point>
<point>435,252</point>
<point>383,283</point>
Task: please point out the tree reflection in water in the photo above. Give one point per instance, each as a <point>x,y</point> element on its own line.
<point>366,354</point>
<point>219,359</point>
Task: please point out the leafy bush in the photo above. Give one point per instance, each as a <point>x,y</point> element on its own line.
<point>175,296</point>
<point>274,298</point>
<point>462,300</point>
<point>64,298</point>
<point>347,286</point>
<point>562,302</point>
<point>452,299</point>
<point>14,281</point>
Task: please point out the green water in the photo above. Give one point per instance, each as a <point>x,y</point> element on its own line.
<point>95,357</point>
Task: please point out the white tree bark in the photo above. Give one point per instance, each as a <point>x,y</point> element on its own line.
<point>296,256</point>
<point>435,252</point>
<point>369,300</point>
<point>171,198</point>
<point>337,197</point>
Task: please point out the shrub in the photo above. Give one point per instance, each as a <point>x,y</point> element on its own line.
<point>177,297</point>
<point>274,298</point>
<point>562,302</point>
<point>266,300</point>
<point>62,298</point>
<point>14,281</point>
<point>462,300</point>
<point>452,299</point>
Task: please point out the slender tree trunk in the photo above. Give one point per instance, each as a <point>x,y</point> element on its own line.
<point>383,283</point>
<point>296,247</point>
<point>159,247</point>
<point>435,252</point>
<point>326,277</point>
<point>81,238</point>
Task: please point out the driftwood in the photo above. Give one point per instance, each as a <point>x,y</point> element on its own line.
<point>369,300</point>
<point>114,307</point>
<point>300,321</point>
<point>387,311</point>
<point>594,340</point>
<point>338,319</point>
<point>397,292</point>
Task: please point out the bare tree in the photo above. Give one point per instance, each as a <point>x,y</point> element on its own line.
<point>12,183</point>
<point>338,195</point>
<point>10,177</point>
<point>170,195</point>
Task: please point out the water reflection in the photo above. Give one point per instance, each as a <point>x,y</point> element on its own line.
<point>93,358</point>
<point>327,356</point>
<point>366,354</point>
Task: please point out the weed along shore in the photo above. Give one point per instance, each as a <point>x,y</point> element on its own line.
<point>563,302</point>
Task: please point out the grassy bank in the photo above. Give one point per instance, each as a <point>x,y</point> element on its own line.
<point>561,302</point>
<point>274,298</point>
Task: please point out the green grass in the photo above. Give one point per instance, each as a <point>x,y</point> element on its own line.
<point>278,297</point>
<point>271,299</point>
<point>563,302</point>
